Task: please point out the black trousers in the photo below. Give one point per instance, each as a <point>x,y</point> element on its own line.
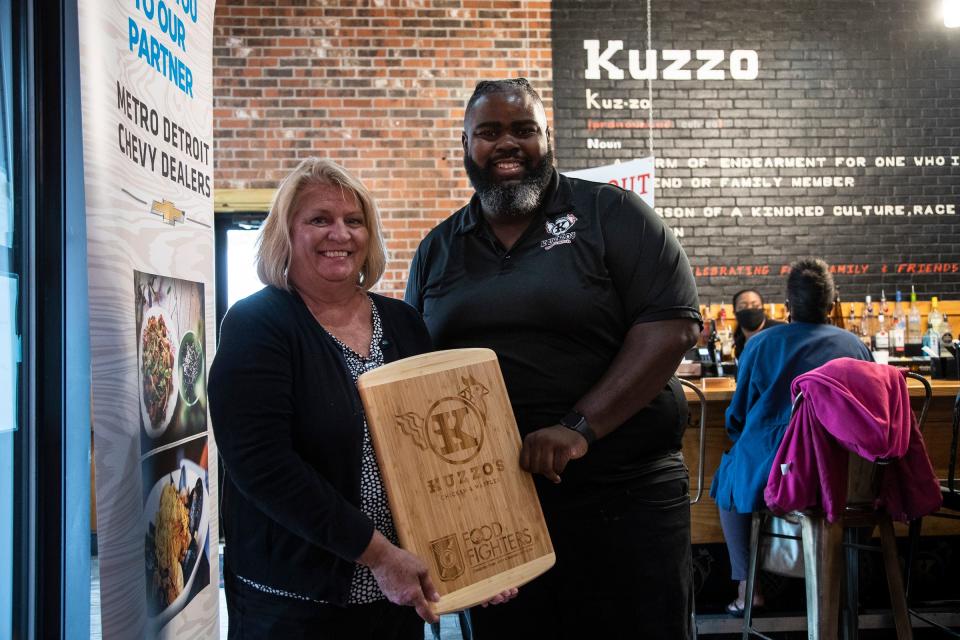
<point>255,615</point>
<point>623,570</point>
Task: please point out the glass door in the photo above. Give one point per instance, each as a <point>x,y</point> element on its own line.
<point>236,246</point>
<point>9,329</point>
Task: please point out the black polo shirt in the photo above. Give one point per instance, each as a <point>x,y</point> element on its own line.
<point>555,308</point>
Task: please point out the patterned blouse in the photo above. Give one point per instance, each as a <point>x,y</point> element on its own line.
<point>373,497</point>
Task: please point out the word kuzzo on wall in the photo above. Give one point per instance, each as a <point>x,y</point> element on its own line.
<point>779,130</point>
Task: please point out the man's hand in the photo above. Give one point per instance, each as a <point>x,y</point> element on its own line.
<point>547,451</point>
<point>503,596</point>
<point>401,576</point>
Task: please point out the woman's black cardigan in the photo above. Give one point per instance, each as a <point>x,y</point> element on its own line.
<point>289,426</point>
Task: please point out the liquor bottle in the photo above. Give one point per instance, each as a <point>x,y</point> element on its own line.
<point>898,329</point>
<point>867,322</point>
<point>884,308</point>
<point>881,339</point>
<point>725,334</point>
<point>934,321</point>
<point>914,336</point>
<point>946,333</point>
<point>836,314</point>
<point>899,315</point>
<point>931,342</point>
<point>852,324</point>
<point>935,318</point>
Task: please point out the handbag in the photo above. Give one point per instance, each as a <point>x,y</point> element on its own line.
<point>783,556</point>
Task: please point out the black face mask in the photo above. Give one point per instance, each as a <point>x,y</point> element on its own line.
<point>750,319</point>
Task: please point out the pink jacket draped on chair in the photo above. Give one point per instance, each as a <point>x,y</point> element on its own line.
<point>851,405</point>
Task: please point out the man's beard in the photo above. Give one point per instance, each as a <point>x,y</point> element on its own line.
<point>515,200</point>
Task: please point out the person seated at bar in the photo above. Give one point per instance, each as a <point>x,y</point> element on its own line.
<point>751,319</point>
<point>759,412</point>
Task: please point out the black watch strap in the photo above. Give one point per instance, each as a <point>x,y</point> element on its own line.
<point>574,420</point>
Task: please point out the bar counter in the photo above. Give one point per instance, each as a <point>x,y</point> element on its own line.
<point>719,391</point>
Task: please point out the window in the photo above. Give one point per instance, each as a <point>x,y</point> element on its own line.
<point>236,272</point>
<point>9,328</point>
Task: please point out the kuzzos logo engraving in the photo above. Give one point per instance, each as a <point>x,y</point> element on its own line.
<point>453,427</point>
<point>447,557</point>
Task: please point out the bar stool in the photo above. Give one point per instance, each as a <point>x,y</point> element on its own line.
<point>695,497</point>
<point>950,490</point>
<point>822,542</point>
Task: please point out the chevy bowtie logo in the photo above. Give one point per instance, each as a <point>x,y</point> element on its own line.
<point>165,209</point>
<point>453,427</point>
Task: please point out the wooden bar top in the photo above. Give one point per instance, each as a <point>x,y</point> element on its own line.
<point>716,389</point>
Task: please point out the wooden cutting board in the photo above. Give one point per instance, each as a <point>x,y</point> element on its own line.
<point>448,448</point>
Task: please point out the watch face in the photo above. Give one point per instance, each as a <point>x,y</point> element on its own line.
<point>572,420</point>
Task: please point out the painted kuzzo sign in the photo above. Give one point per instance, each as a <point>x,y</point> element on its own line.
<point>743,64</point>
<point>777,130</point>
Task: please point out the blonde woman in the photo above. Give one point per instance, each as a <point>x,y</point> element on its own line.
<point>311,549</point>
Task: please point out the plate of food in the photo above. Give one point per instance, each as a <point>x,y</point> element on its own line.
<point>157,351</point>
<point>176,515</point>
<point>190,368</point>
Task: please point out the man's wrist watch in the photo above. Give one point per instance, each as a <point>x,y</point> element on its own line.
<point>574,420</point>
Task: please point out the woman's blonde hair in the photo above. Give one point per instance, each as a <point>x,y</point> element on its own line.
<point>274,246</point>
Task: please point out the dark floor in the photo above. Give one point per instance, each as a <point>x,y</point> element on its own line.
<point>449,625</point>
<point>938,567</point>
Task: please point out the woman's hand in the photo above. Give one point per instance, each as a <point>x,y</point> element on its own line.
<point>402,576</point>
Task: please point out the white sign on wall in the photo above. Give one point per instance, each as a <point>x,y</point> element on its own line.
<point>636,175</point>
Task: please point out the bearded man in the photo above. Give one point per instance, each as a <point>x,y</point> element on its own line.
<point>589,302</point>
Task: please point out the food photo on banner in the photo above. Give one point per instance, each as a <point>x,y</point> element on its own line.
<point>171,361</point>
<point>176,528</point>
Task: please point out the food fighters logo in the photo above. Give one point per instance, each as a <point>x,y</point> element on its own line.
<point>560,230</point>
<point>447,556</point>
<point>454,426</point>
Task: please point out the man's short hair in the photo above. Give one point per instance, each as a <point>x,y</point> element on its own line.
<point>485,87</point>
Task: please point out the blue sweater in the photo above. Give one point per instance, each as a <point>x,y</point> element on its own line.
<point>760,410</point>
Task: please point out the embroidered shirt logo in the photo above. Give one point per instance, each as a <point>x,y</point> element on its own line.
<point>559,228</point>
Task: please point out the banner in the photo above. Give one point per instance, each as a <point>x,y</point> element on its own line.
<point>146,88</point>
<point>635,175</point>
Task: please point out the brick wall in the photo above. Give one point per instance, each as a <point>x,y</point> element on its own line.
<point>377,86</point>
<point>853,79</point>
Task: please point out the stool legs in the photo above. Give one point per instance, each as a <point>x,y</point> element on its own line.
<point>898,600</point>
<point>823,560</point>
<point>822,575</point>
<point>756,524</point>
<point>850,618</point>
